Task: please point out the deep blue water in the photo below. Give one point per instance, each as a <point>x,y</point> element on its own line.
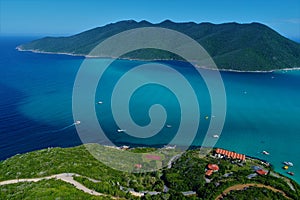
<point>36,106</point>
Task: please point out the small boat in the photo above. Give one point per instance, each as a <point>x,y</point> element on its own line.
<point>288,164</point>
<point>265,152</point>
<point>99,102</point>
<point>215,136</point>
<point>285,167</point>
<point>169,126</point>
<point>77,122</point>
<point>121,130</point>
<point>291,173</point>
<point>206,117</point>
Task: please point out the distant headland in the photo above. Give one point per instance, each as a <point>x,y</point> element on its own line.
<point>233,46</point>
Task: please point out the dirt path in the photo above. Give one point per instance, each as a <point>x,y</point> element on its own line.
<point>66,177</point>
<point>242,186</point>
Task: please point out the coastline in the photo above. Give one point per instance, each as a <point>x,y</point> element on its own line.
<point>124,147</point>
<point>86,177</point>
<point>136,59</point>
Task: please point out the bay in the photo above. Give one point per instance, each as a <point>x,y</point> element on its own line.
<point>36,106</point>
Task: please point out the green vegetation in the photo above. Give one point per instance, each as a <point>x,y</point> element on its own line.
<point>74,160</point>
<point>54,161</point>
<point>102,187</point>
<point>78,160</point>
<point>245,47</point>
<point>258,193</point>
<point>44,190</point>
<point>186,174</point>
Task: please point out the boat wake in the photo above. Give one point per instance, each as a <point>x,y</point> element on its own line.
<point>62,129</point>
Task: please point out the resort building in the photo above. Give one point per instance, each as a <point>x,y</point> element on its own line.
<point>213,167</point>
<point>229,154</point>
<point>209,172</point>
<point>261,172</point>
<point>210,169</point>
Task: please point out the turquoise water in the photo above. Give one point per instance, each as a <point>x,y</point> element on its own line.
<point>36,106</point>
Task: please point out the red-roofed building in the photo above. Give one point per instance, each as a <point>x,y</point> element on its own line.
<point>244,157</point>
<point>234,156</point>
<point>261,172</point>
<point>225,153</point>
<point>230,154</point>
<point>213,167</point>
<point>209,172</point>
<point>239,156</point>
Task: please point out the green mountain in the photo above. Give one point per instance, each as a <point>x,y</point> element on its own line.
<point>246,47</point>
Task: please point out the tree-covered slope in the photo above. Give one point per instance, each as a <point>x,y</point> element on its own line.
<point>186,173</point>
<point>232,46</point>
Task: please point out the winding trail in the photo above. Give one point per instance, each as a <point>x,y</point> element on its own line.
<point>66,177</point>
<point>243,186</point>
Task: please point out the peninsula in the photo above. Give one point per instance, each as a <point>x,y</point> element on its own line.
<point>233,46</point>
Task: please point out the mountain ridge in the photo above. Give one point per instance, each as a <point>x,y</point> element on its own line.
<point>246,47</point>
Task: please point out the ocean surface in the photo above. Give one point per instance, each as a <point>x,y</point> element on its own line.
<point>263,109</point>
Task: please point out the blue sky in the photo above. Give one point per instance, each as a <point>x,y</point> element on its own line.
<point>64,17</point>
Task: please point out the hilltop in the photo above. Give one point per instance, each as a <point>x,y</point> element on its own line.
<point>245,47</point>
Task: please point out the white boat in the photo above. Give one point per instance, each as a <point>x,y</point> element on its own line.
<point>121,130</point>
<point>288,164</point>
<point>77,122</point>
<point>100,102</point>
<point>265,152</point>
<point>215,136</point>
<point>291,173</point>
<point>169,126</point>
